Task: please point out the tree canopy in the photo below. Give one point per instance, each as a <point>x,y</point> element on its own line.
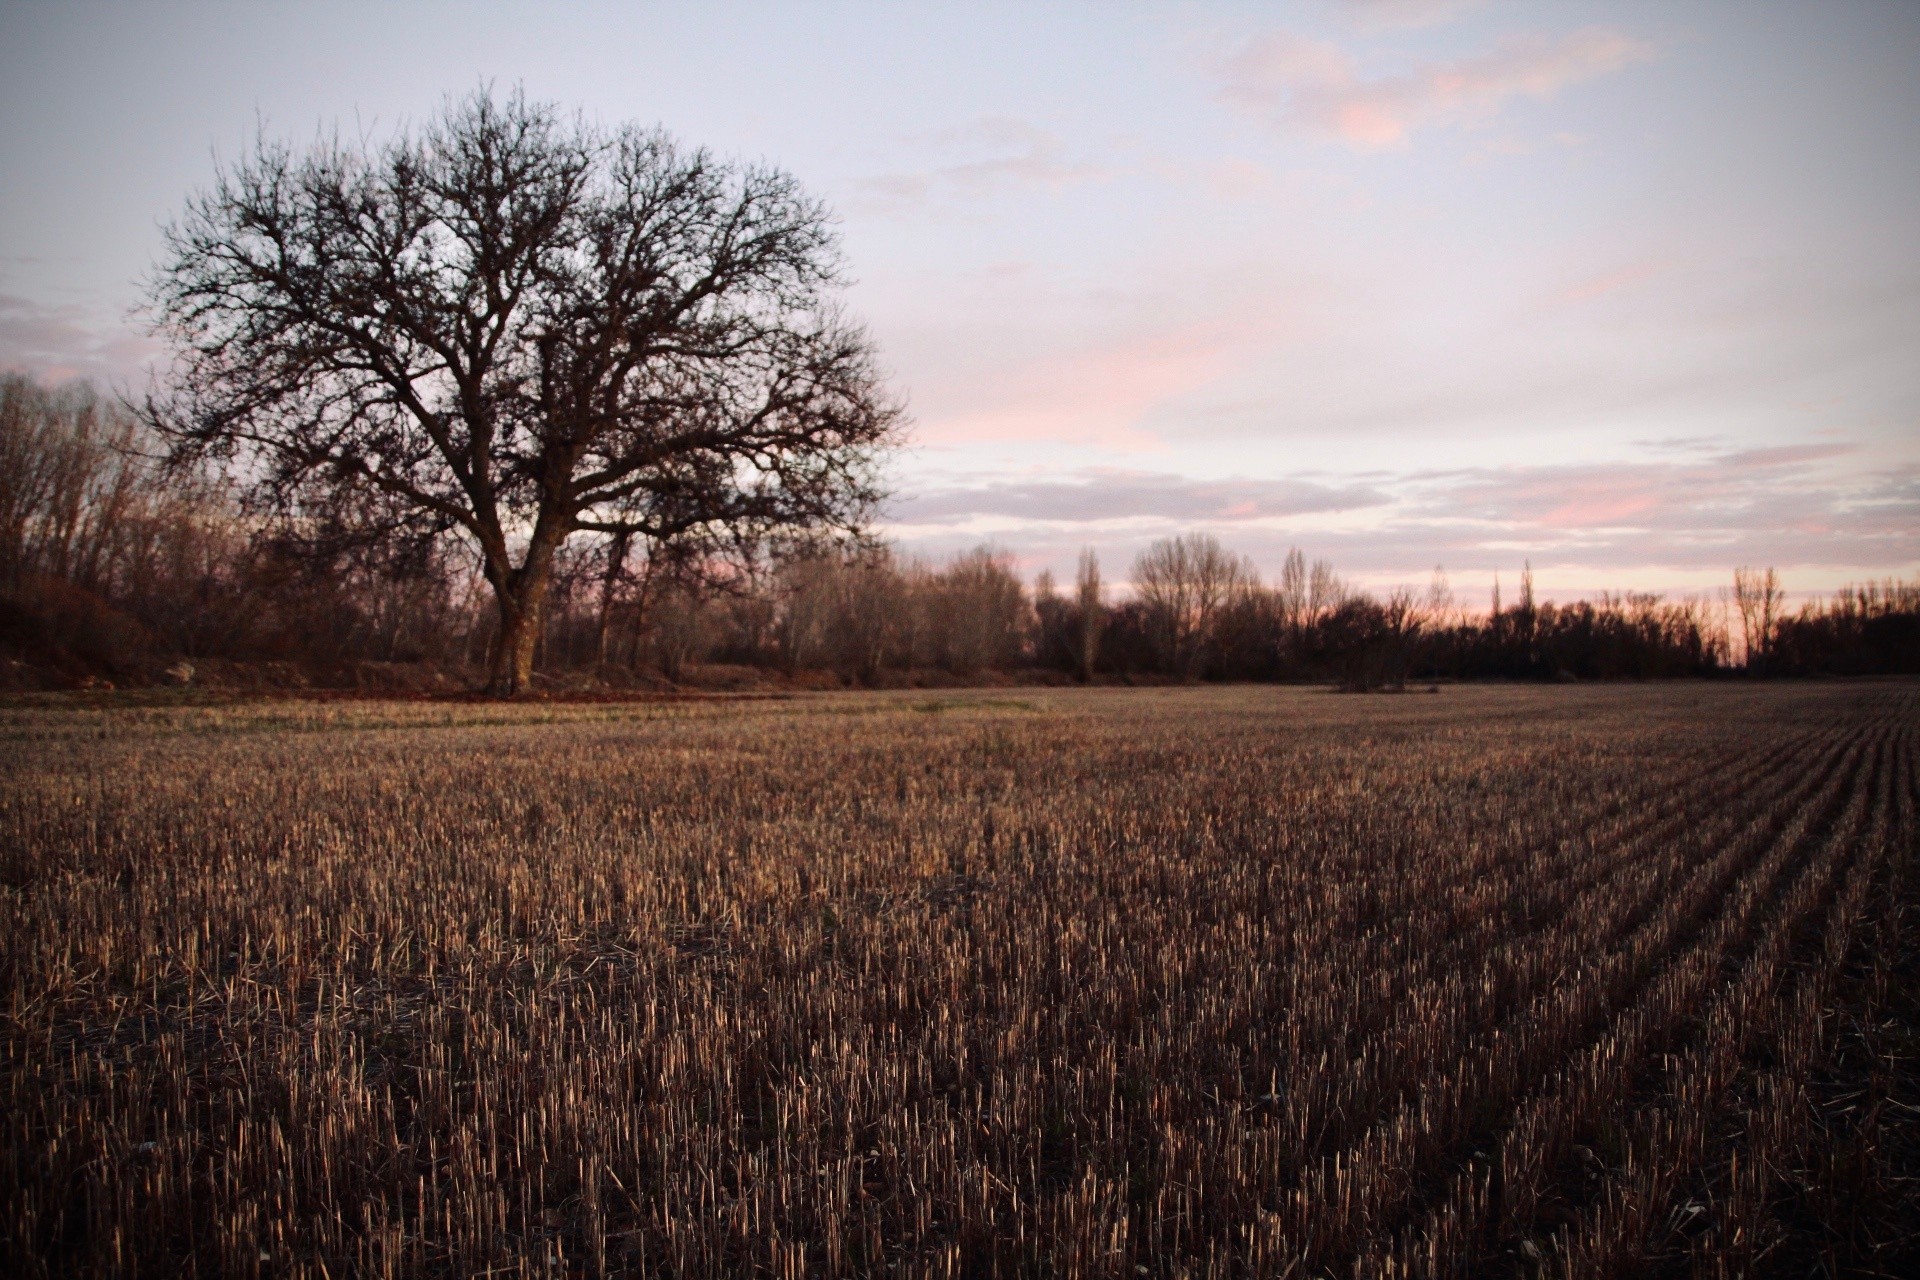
<point>513,326</point>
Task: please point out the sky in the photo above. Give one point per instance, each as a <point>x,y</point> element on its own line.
<point>1629,292</point>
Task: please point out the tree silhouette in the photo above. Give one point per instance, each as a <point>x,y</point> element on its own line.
<point>516,327</point>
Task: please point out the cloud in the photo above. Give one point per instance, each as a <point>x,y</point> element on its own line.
<point>1400,15</point>
<point>1015,353</point>
<point>1003,151</point>
<point>1318,87</point>
<point>1096,394</point>
<point>1786,455</point>
<point>1766,505</point>
<point>1655,522</point>
<point>1611,282</point>
<point>1103,494</point>
<point>59,343</point>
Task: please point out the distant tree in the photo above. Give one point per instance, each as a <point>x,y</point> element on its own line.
<point>807,585</point>
<point>1301,600</point>
<point>1055,625</point>
<point>518,327</point>
<point>1185,583</point>
<point>1356,642</point>
<point>1870,628</point>
<point>613,572</point>
<point>1757,598</point>
<point>870,611</point>
<point>1439,610</point>
<point>679,627</point>
<point>1370,644</point>
<point>1525,614</point>
<point>1290,593</point>
<point>70,484</point>
<point>1091,610</point>
<point>983,611</point>
<point>1325,592</point>
<point>1249,639</point>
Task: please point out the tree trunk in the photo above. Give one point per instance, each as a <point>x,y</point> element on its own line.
<point>522,599</point>
<point>512,673</point>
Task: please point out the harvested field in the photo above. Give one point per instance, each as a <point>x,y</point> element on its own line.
<point>1234,981</point>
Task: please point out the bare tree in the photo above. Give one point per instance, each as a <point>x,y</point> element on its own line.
<point>679,626</point>
<point>1325,592</point>
<point>1526,613</point>
<point>613,570</point>
<point>869,611</point>
<point>516,327</point>
<point>1290,594</point>
<point>1086,588</point>
<point>72,486</point>
<point>983,611</point>
<point>1758,598</point>
<point>1438,610</point>
<point>807,585</point>
<point>1185,583</point>
<point>1045,588</point>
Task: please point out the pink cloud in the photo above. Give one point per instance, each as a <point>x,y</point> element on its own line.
<point>1788,455</point>
<point>1095,395</point>
<point>1588,509</point>
<point>1031,357</point>
<point>1318,86</point>
<point>1611,282</point>
<point>1748,497</point>
<point>1649,524</point>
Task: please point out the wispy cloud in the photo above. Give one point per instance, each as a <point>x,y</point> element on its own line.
<point>1810,508</point>
<point>1096,395</point>
<point>1785,455</point>
<point>1102,494</point>
<point>1318,87</point>
<point>1611,281</point>
<point>999,151</point>
<point>1022,356</point>
<point>58,343</point>
<point>1777,504</point>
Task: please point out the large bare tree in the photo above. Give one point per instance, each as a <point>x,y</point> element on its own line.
<point>515,326</point>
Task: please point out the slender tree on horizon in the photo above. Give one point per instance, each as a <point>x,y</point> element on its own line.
<point>1087,593</point>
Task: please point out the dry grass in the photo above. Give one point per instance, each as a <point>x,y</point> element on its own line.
<point>1181,982</point>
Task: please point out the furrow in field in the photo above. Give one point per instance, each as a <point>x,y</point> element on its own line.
<point>1558,930</point>
<point>1335,1113</point>
<point>1690,1093</point>
<point>1489,1202</point>
<point>1769,1124</point>
<point>1308,1105</point>
<point>1429,1134</point>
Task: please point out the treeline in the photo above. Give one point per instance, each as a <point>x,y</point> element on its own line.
<point>115,569</point>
